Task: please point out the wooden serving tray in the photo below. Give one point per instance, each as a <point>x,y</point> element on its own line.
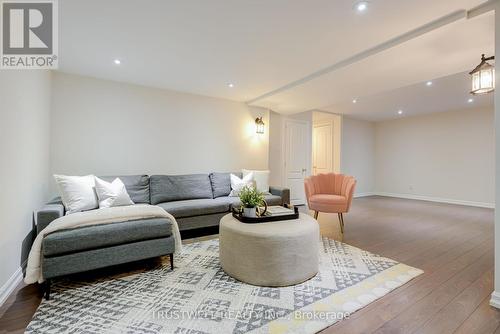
<point>265,219</point>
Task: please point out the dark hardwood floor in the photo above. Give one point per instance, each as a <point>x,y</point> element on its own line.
<point>452,244</point>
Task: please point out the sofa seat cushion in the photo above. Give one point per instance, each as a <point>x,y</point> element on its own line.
<point>234,202</point>
<point>104,235</point>
<point>273,200</point>
<point>195,207</point>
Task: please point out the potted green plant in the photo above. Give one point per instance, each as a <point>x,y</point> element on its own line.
<point>250,199</point>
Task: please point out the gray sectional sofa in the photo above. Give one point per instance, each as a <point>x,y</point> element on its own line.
<point>200,200</point>
<point>196,201</point>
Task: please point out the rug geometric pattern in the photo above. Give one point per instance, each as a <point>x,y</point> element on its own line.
<point>198,297</point>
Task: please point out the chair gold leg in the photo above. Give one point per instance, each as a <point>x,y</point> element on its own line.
<point>316,214</point>
<point>341,221</point>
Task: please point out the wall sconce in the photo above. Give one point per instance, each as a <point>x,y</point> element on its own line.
<point>259,125</point>
<point>483,77</point>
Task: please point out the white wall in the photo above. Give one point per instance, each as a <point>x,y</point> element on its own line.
<point>24,167</point>
<point>110,128</point>
<point>276,147</point>
<point>443,156</point>
<point>358,153</point>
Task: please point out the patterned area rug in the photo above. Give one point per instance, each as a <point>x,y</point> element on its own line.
<point>198,297</point>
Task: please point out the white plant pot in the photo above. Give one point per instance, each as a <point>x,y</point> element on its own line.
<point>250,212</point>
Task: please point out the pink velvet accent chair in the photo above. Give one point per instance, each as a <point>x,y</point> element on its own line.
<point>331,193</point>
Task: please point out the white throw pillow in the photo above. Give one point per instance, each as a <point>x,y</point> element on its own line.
<point>111,194</point>
<point>77,192</point>
<point>261,178</point>
<point>237,184</point>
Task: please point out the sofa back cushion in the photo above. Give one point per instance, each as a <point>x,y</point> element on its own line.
<point>137,186</point>
<point>221,183</point>
<point>168,188</point>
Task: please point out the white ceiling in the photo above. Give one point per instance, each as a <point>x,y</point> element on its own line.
<point>452,49</point>
<point>447,93</point>
<point>260,45</point>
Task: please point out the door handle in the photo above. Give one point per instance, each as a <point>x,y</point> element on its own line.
<point>304,170</point>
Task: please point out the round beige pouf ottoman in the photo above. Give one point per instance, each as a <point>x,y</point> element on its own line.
<point>277,253</point>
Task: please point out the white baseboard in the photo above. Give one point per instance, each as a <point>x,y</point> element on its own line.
<point>10,285</point>
<point>366,194</point>
<point>495,299</point>
<point>438,199</point>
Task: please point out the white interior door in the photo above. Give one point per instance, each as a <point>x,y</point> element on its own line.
<point>297,150</point>
<point>323,148</point>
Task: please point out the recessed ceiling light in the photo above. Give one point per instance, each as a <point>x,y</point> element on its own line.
<point>117,61</point>
<point>429,83</point>
<point>361,6</point>
<point>230,85</point>
<point>354,101</point>
<point>470,100</point>
<point>400,112</point>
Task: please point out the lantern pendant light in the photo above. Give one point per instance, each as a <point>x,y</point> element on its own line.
<point>483,77</point>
